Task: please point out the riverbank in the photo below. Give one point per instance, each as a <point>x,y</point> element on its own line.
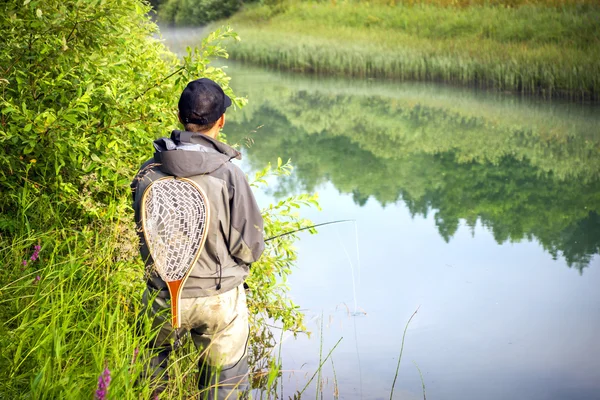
<point>532,49</point>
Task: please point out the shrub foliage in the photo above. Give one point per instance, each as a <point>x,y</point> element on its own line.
<point>85,88</point>
<point>196,12</point>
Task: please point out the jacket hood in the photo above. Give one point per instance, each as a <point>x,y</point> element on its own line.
<point>186,154</point>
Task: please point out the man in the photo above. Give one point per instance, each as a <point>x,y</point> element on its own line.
<point>213,301</point>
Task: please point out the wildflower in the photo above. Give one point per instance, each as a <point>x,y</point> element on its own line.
<point>37,279</point>
<point>36,252</point>
<point>24,262</point>
<point>135,354</point>
<point>103,383</point>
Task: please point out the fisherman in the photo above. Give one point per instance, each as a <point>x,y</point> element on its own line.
<point>213,301</point>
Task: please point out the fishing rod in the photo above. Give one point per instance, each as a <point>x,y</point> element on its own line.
<point>303,229</point>
<point>310,227</point>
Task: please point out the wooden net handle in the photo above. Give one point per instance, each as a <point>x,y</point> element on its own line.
<point>175,291</point>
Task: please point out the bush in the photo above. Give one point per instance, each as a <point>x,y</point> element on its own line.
<point>80,104</point>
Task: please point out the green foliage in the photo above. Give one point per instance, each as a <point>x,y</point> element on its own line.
<point>535,26</point>
<point>268,276</point>
<point>529,49</point>
<point>277,6</point>
<point>77,310</point>
<point>195,12</point>
<point>469,3</point>
<point>77,90</point>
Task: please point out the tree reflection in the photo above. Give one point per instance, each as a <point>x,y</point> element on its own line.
<point>522,182</point>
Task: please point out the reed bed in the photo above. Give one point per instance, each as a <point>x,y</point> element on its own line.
<point>529,49</point>
<point>468,3</point>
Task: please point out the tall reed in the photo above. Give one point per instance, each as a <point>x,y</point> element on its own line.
<point>530,49</point>
<point>71,315</point>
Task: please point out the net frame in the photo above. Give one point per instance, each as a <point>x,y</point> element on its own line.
<point>175,218</point>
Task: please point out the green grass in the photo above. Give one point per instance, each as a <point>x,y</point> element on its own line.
<point>554,51</point>
<point>60,331</point>
<point>82,316</point>
<point>77,310</point>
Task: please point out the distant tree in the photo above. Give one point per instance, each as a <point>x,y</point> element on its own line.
<point>195,12</point>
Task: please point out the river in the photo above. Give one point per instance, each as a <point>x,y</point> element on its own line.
<point>479,209</point>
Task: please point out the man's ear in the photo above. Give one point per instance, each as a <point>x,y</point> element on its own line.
<point>221,121</point>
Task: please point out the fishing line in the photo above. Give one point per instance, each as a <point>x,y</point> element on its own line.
<point>360,382</point>
<point>357,250</point>
<point>351,271</point>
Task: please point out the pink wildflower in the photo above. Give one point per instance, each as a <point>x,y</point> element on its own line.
<point>36,252</point>
<point>103,384</point>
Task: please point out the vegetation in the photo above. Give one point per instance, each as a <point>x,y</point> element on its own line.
<point>470,3</point>
<point>523,171</point>
<point>80,107</point>
<point>551,48</point>
<point>195,12</point>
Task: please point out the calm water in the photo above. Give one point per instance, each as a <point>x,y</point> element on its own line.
<point>481,209</point>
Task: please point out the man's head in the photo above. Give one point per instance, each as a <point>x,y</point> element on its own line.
<point>202,106</point>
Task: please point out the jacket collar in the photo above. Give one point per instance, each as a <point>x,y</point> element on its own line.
<point>186,137</point>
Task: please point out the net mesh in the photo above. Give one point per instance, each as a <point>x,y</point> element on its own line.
<point>174,224</point>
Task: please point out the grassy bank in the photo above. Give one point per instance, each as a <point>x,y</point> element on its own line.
<point>554,51</point>
<point>71,310</point>
<point>79,109</point>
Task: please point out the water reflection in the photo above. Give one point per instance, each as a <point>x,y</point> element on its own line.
<point>523,169</point>
<point>409,162</point>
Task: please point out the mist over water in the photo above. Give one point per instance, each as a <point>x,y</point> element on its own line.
<point>481,208</point>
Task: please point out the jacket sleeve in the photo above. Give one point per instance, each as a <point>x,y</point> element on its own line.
<point>246,238</point>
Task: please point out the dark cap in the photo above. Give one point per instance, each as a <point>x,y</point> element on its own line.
<point>202,102</point>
